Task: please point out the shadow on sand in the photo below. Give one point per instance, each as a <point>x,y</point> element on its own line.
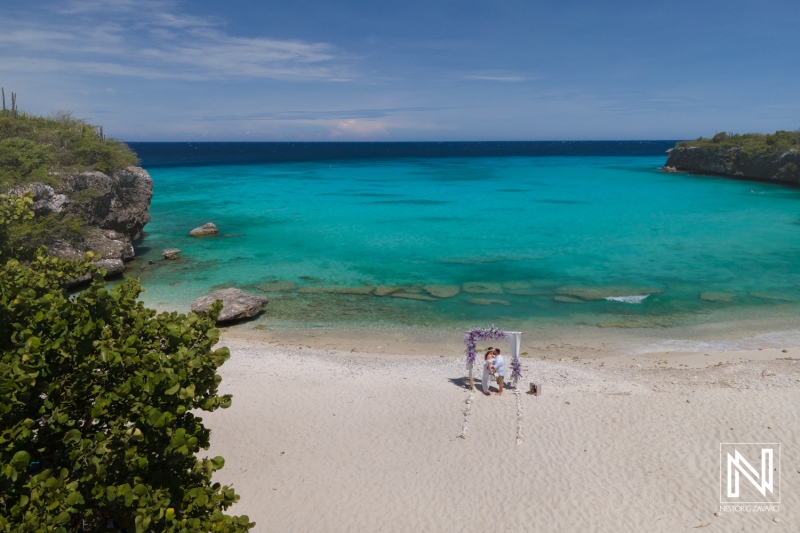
<point>463,383</point>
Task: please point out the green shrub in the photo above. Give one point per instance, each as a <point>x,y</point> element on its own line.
<point>84,195</point>
<point>751,144</point>
<point>99,398</point>
<point>13,210</point>
<point>28,235</point>
<point>22,161</point>
<point>58,143</point>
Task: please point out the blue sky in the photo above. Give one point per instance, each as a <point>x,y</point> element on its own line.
<point>412,70</point>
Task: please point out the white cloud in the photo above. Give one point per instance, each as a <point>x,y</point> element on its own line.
<point>152,39</point>
<point>359,128</point>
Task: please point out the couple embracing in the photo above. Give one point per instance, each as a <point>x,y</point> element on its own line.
<point>493,368</point>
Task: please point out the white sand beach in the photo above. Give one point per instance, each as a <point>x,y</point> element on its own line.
<point>318,440</point>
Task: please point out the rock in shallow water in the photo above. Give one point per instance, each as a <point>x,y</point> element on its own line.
<point>568,299</point>
<point>206,229</point>
<point>488,301</point>
<point>516,285</point>
<point>276,286</point>
<point>384,290</point>
<point>170,253</point>
<point>771,296</point>
<point>483,287</point>
<point>724,297</point>
<point>601,293</point>
<point>442,291</point>
<point>236,305</point>
<point>336,290</point>
<point>413,296</point>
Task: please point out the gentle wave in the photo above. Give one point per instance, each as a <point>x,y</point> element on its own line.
<point>635,299</point>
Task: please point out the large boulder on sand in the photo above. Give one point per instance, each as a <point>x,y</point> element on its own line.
<point>236,305</point>
<point>206,229</point>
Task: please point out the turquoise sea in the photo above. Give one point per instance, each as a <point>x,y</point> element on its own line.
<point>541,240</point>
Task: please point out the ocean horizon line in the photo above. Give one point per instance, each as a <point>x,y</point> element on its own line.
<point>210,153</point>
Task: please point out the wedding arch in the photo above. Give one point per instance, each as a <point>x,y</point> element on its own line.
<point>473,336</point>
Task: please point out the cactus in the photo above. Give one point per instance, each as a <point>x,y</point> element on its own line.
<point>13,111</point>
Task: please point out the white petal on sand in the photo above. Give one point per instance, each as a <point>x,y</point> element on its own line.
<point>467,409</point>
<point>520,434</point>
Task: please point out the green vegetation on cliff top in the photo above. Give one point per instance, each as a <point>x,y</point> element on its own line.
<point>749,143</point>
<point>35,148</point>
<point>41,149</point>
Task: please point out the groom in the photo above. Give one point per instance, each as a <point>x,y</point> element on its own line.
<point>500,369</point>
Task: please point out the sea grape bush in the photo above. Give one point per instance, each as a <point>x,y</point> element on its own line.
<point>99,398</point>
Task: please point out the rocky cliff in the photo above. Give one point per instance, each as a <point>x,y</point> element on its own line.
<point>780,166</point>
<point>115,208</point>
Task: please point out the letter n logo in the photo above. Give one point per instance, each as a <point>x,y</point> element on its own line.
<point>749,472</point>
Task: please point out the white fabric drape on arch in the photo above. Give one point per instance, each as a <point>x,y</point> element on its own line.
<point>514,339</point>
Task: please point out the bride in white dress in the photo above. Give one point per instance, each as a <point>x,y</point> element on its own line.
<point>488,370</point>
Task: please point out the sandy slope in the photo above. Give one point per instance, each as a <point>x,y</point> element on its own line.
<point>319,441</point>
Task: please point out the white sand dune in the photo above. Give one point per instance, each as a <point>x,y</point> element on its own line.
<point>331,442</point>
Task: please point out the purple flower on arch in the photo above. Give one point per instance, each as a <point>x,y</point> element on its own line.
<point>475,334</point>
